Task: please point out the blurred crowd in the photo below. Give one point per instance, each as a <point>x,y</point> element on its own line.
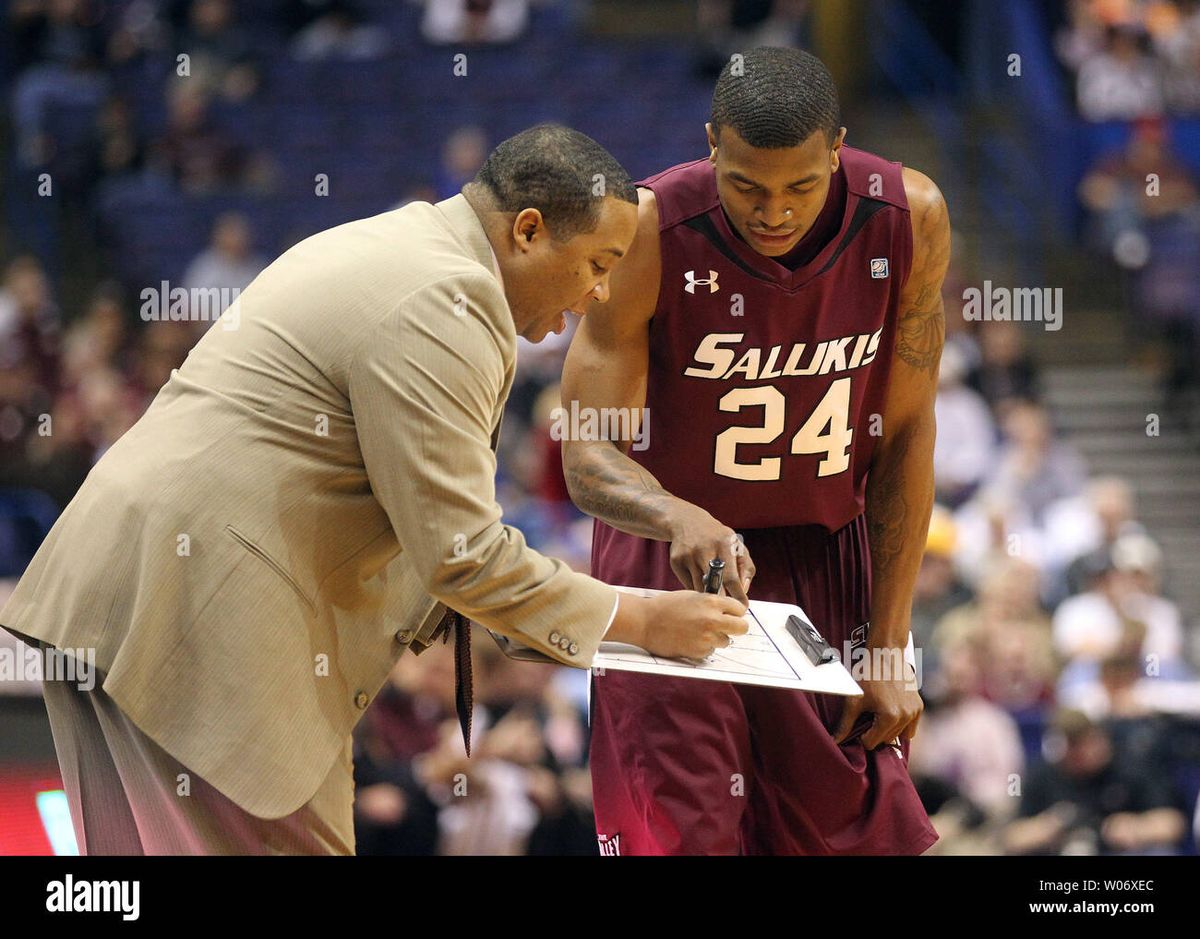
<point>1143,214</point>
<point>1061,705</point>
<point>1061,709</point>
<point>1133,58</point>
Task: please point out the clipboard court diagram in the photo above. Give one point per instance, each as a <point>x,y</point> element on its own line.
<point>765,655</point>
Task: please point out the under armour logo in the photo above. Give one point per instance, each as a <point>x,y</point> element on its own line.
<point>693,282</point>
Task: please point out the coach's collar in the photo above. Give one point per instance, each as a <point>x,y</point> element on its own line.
<point>466,225</point>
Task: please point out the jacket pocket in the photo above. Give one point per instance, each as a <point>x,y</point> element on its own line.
<point>271,563</point>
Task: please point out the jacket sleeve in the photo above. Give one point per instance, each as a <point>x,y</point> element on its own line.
<point>424,385</point>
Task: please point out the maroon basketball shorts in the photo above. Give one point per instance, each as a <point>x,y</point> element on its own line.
<point>690,766</point>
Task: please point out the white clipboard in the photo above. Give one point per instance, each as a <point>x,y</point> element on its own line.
<point>765,655</point>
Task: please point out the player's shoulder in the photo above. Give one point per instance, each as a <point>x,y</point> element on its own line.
<point>634,285</point>
<point>635,280</point>
<point>922,193</point>
<point>681,192</point>
<point>648,220</point>
<point>927,205</point>
<point>871,176</point>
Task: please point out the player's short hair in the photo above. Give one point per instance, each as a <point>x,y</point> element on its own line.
<point>557,171</point>
<point>775,97</point>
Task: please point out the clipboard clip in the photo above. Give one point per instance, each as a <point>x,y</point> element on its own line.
<point>819,651</point>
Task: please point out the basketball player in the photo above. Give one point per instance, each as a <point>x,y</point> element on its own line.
<point>779,316</point>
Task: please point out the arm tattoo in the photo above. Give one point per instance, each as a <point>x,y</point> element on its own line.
<point>609,485</point>
<point>888,523</point>
<point>922,330</point>
<point>922,327</point>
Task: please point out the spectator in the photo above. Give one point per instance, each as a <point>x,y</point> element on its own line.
<point>966,438</point>
<point>1133,59</point>
<point>1122,82</point>
<point>109,406</point>
<point>334,29</point>
<point>62,48</point>
<point>462,156</point>
<point>1119,193</point>
<point>1081,801</point>
<point>1034,470</point>
<point>1010,631</point>
<point>198,156</point>
<point>725,26</point>
<point>394,814</point>
<point>29,362</point>
<point>120,149</point>
<point>1122,694</point>
<point>1083,39</point>
<point>471,22</point>
<point>228,264</point>
<point>938,588</point>
<point>967,741</point>
<point>1145,211</point>
<point>1006,373</point>
<point>220,54</point>
<point>29,334</point>
<point>1083,529</point>
<point>1177,41</point>
<point>1092,625</point>
<point>98,339</point>
<point>162,345</point>
<point>57,463</point>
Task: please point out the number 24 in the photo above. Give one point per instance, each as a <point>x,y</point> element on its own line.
<point>832,412</point>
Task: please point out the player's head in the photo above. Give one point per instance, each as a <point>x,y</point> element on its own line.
<point>560,211</point>
<point>774,138</point>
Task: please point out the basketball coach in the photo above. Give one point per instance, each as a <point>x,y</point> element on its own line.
<point>312,494</point>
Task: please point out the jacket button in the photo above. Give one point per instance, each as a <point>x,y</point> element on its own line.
<point>574,649</point>
<point>360,700</point>
<point>405,635</point>
<point>555,637</point>
<point>565,642</point>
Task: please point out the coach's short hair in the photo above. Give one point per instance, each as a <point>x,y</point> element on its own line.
<point>560,172</point>
<point>775,97</point>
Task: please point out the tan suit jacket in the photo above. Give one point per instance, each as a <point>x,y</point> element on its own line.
<point>251,558</point>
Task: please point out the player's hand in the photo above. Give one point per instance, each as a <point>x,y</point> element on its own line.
<point>894,704</point>
<point>697,538</point>
<point>690,625</point>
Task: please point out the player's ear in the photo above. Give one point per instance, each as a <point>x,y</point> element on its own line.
<point>712,141</point>
<point>835,158</point>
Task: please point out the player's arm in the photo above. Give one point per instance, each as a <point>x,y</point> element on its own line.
<point>606,367</point>
<point>899,496</point>
<point>900,484</point>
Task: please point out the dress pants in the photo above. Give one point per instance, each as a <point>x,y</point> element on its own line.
<point>128,796</point>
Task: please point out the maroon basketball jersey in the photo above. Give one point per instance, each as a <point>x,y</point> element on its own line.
<point>763,380</point>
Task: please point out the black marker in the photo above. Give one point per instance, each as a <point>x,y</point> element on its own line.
<point>716,573</point>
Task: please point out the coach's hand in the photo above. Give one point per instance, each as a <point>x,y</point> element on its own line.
<point>896,707</point>
<point>697,538</point>
<point>686,624</point>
